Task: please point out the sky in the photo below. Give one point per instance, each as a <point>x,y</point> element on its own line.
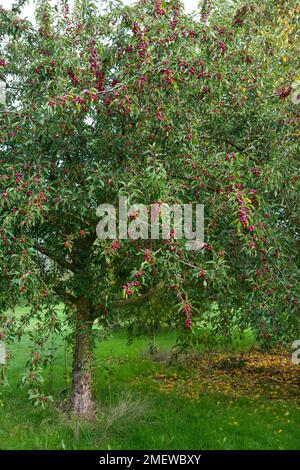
<point>190,5</point>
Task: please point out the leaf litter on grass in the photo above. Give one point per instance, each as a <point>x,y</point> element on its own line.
<point>252,375</point>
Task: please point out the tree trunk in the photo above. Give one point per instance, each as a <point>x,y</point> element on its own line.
<point>83,402</point>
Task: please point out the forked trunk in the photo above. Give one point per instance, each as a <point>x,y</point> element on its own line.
<point>83,402</point>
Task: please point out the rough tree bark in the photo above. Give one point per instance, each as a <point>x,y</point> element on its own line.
<point>83,401</point>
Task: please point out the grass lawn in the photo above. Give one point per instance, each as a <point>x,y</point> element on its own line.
<point>147,404</point>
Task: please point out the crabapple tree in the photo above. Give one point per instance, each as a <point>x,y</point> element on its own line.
<point>161,107</point>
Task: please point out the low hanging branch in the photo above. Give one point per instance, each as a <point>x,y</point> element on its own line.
<point>151,292</point>
<point>61,261</point>
<point>65,295</point>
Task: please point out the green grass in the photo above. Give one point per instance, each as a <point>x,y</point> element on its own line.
<point>134,414</point>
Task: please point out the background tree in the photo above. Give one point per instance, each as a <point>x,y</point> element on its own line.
<point>150,103</point>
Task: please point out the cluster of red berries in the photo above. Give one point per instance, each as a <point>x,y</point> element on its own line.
<point>207,246</point>
<point>143,80</point>
<point>159,10</point>
<point>242,209</point>
<point>187,310</point>
<point>142,48</point>
<point>284,92</point>
<point>160,115</point>
<point>189,33</point>
<point>129,287</point>
<point>95,66</point>
<point>241,12</point>
<point>19,177</point>
<point>136,28</point>
<point>221,29</point>
<point>148,255</point>
<point>68,99</point>
<point>139,274</point>
<point>115,246</point>
<point>169,75</point>
<point>174,22</point>
<point>256,171</point>
<point>223,47</point>
<point>36,359</point>
<point>93,96</point>
<point>230,156</point>
<point>74,78</point>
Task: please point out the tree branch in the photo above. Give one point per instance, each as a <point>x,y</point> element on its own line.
<point>59,260</point>
<point>136,300</point>
<point>61,292</point>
